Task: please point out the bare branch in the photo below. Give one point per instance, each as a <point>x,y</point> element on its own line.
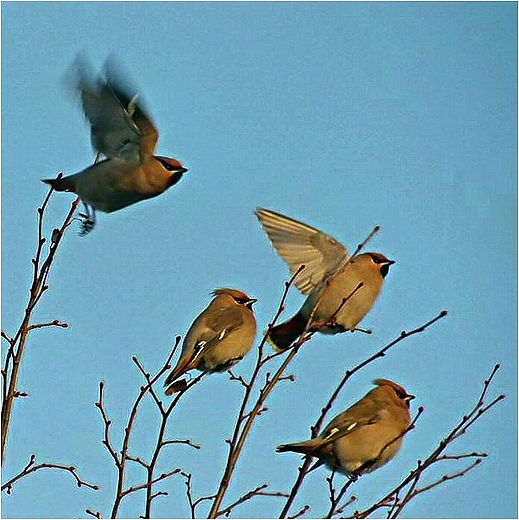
<point>316,428</point>
<point>445,478</point>
<point>258,491</point>
<point>18,343</point>
<point>393,500</point>
<point>146,484</point>
<point>245,419</point>
<point>182,441</point>
<point>53,323</point>
<point>32,467</point>
<point>240,379</point>
<point>139,461</point>
<point>123,457</point>
<point>7,338</point>
<point>189,493</point>
<point>107,422</point>
<point>301,512</point>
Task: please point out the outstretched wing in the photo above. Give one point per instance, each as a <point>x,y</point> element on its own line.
<point>300,244</point>
<point>120,127</point>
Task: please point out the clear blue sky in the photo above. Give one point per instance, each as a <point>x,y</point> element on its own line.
<point>343,115</point>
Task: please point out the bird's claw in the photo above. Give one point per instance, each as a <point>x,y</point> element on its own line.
<point>89,220</point>
<point>87,224</point>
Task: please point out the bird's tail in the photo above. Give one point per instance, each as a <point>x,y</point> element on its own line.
<point>61,184</point>
<point>304,447</point>
<point>282,336</point>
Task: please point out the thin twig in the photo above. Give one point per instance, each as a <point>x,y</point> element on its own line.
<point>53,323</point>
<point>145,485</point>
<point>32,467</point>
<point>189,493</point>
<point>393,497</point>
<point>245,419</point>
<point>316,428</point>
<point>258,491</point>
<point>121,458</point>
<point>18,343</point>
<point>107,423</point>
<point>335,499</point>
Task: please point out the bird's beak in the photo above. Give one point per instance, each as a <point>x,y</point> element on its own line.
<point>409,397</point>
<point>390,262</point>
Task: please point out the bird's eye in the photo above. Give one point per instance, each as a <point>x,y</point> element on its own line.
<point>400,394</point>
<point>404,397</point>
<point>377,259</point>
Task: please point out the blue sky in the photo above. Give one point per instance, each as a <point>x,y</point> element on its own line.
<point>343,115</point>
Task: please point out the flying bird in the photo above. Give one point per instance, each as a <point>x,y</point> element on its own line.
<point>219,337</point>
<point>125,135</point>
<point>340,289</point>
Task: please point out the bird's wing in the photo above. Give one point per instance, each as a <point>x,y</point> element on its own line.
<point>348,422</point>
<point>219,324</point>
<point>120,127</point>
<point>213,329</point>
<point>298,244</point>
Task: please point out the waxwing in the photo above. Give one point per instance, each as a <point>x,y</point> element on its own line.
<point>340,290</point>
<point>219,337</point>
<point>126,137</point>
<point>364,437</point>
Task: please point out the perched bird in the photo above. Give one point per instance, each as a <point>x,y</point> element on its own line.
<point>340,290</point>
<point>219,337</point>
<point>364,437</point>
<point>125,135</point>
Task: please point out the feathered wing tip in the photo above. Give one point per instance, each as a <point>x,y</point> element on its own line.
<point>82,75</point>
<point>118,77</point>
<point>61,184</point>
<point>79,75</point>
<point>300,244</point>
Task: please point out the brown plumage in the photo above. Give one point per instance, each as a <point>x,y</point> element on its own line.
<point>219,337</point>
<point>340,290</point>
<point>364,437</point>
<point>125,135</point>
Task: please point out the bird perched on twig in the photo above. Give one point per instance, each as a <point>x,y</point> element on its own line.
<point>340,290</point>
<point>364,437</point>
<point>125,135</point>
<point>219,337</point>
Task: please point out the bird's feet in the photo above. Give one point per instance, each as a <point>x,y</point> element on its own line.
<point>88,222</point>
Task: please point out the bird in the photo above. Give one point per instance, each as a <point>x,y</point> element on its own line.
<point>219,337</point>
<point>340,289</point>
<point>366,436</point>
<point>125,135</point>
